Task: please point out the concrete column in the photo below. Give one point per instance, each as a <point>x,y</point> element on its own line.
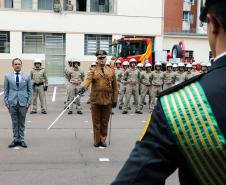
<point>16,44</point>
<point>17,4</point>
<point>87,5</point>
<point>35,4</point>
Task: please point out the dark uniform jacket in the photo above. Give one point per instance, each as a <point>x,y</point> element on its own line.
<point>157,155</point>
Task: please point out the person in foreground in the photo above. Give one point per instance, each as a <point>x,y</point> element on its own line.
<point>17,98</point>
<point>187,127</point>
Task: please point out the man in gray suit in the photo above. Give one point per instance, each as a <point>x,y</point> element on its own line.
<point>17,98</point>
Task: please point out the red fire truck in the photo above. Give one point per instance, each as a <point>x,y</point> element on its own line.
<point>139,48</point>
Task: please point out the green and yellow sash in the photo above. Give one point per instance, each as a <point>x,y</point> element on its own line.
<point>195,128</point>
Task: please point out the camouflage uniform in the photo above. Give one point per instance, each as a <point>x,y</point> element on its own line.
<point>180,77</point>
<point>75,78</point>
<point>147,87</point>
<point>39,79</point>
<point>132,76</point>
<point>169,79</point>
<point>157,78</point>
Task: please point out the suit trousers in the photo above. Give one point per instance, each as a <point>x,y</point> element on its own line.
<point>18,116</point>
<point>100,117</point>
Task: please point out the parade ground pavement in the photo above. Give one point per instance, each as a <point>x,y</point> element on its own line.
<point>64,155</point>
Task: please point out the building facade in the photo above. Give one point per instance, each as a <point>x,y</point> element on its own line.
<point>181,23</point>
<point>54,30</point>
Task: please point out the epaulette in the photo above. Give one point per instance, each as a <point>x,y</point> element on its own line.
<point>180,85</point>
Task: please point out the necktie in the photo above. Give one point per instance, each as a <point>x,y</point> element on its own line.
<point>17,80</point>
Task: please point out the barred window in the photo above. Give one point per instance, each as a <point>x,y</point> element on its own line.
<point>33,43</point>
<point>96,42</point>
<point>4,41</point>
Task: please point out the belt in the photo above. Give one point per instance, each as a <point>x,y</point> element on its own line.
<point>36,84</point>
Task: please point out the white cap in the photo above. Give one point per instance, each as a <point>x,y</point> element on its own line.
<point>37,60</point>
<point>181,64</point>
<point>140,65</point>
<point>169,64</point>
<point>148,65</point>
<point>132,60</point>
<point>189,66</point>
<point>125,63</point>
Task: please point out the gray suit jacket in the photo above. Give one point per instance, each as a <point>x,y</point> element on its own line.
<point>14,95</point>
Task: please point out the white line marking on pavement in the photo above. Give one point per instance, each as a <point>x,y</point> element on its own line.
<point>131,114</point>
<point>104,159</point>
<point>54,94</point>
<point>1,93</point>
<point>16,148</point>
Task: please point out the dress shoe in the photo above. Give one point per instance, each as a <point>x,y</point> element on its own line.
<point>33,112</point>
<point>44,112</point>
<point>96,144</point>
<point>138,112</point>
<point>13,144</point>
<point>69,112</point>
<point>120,107</point>
<point>124,112</point>
<point>79,112</point>
<point>103,144</point>
<point>23,144</point>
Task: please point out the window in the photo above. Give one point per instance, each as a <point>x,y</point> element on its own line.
<point>4,41</point>
<point>33,43</point>
<point>45,4</point>
<point>8,3</point>
<point>26,4</point>
<point>81,5</point>
<point>136,48</point>
<point>186,16</point>
<point>96,42</point>
<point>43,42</point>
<point>101,5</point>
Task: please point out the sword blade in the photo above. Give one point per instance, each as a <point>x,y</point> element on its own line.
<point>63,112</point>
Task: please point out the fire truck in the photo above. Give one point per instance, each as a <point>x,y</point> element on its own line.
<point>142,50</point>
<point>139,48</point>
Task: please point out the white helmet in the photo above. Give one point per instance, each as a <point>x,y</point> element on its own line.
<point>158,64</point>
<point>175,65</point>
<point>126,63</point>
<point>132,60</point>
<point>118,62</point>
<point>74,60</point>
<point>169,65</point>
<point>37,60</point>
<point>189,66</point>
<point>181,64</point>
<point>148,65</point>
<point>194,63</point>
<point>94,64</point>
<point>209,64</point>
<point>140,65</point>
<point>204,64</point>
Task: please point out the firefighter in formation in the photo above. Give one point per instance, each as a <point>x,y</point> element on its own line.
<point>40,86</point>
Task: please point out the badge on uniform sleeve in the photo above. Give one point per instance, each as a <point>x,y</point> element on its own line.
<point>146,127</point>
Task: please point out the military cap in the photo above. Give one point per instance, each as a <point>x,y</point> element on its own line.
<point>208,5</point>
<point>101,53</point>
